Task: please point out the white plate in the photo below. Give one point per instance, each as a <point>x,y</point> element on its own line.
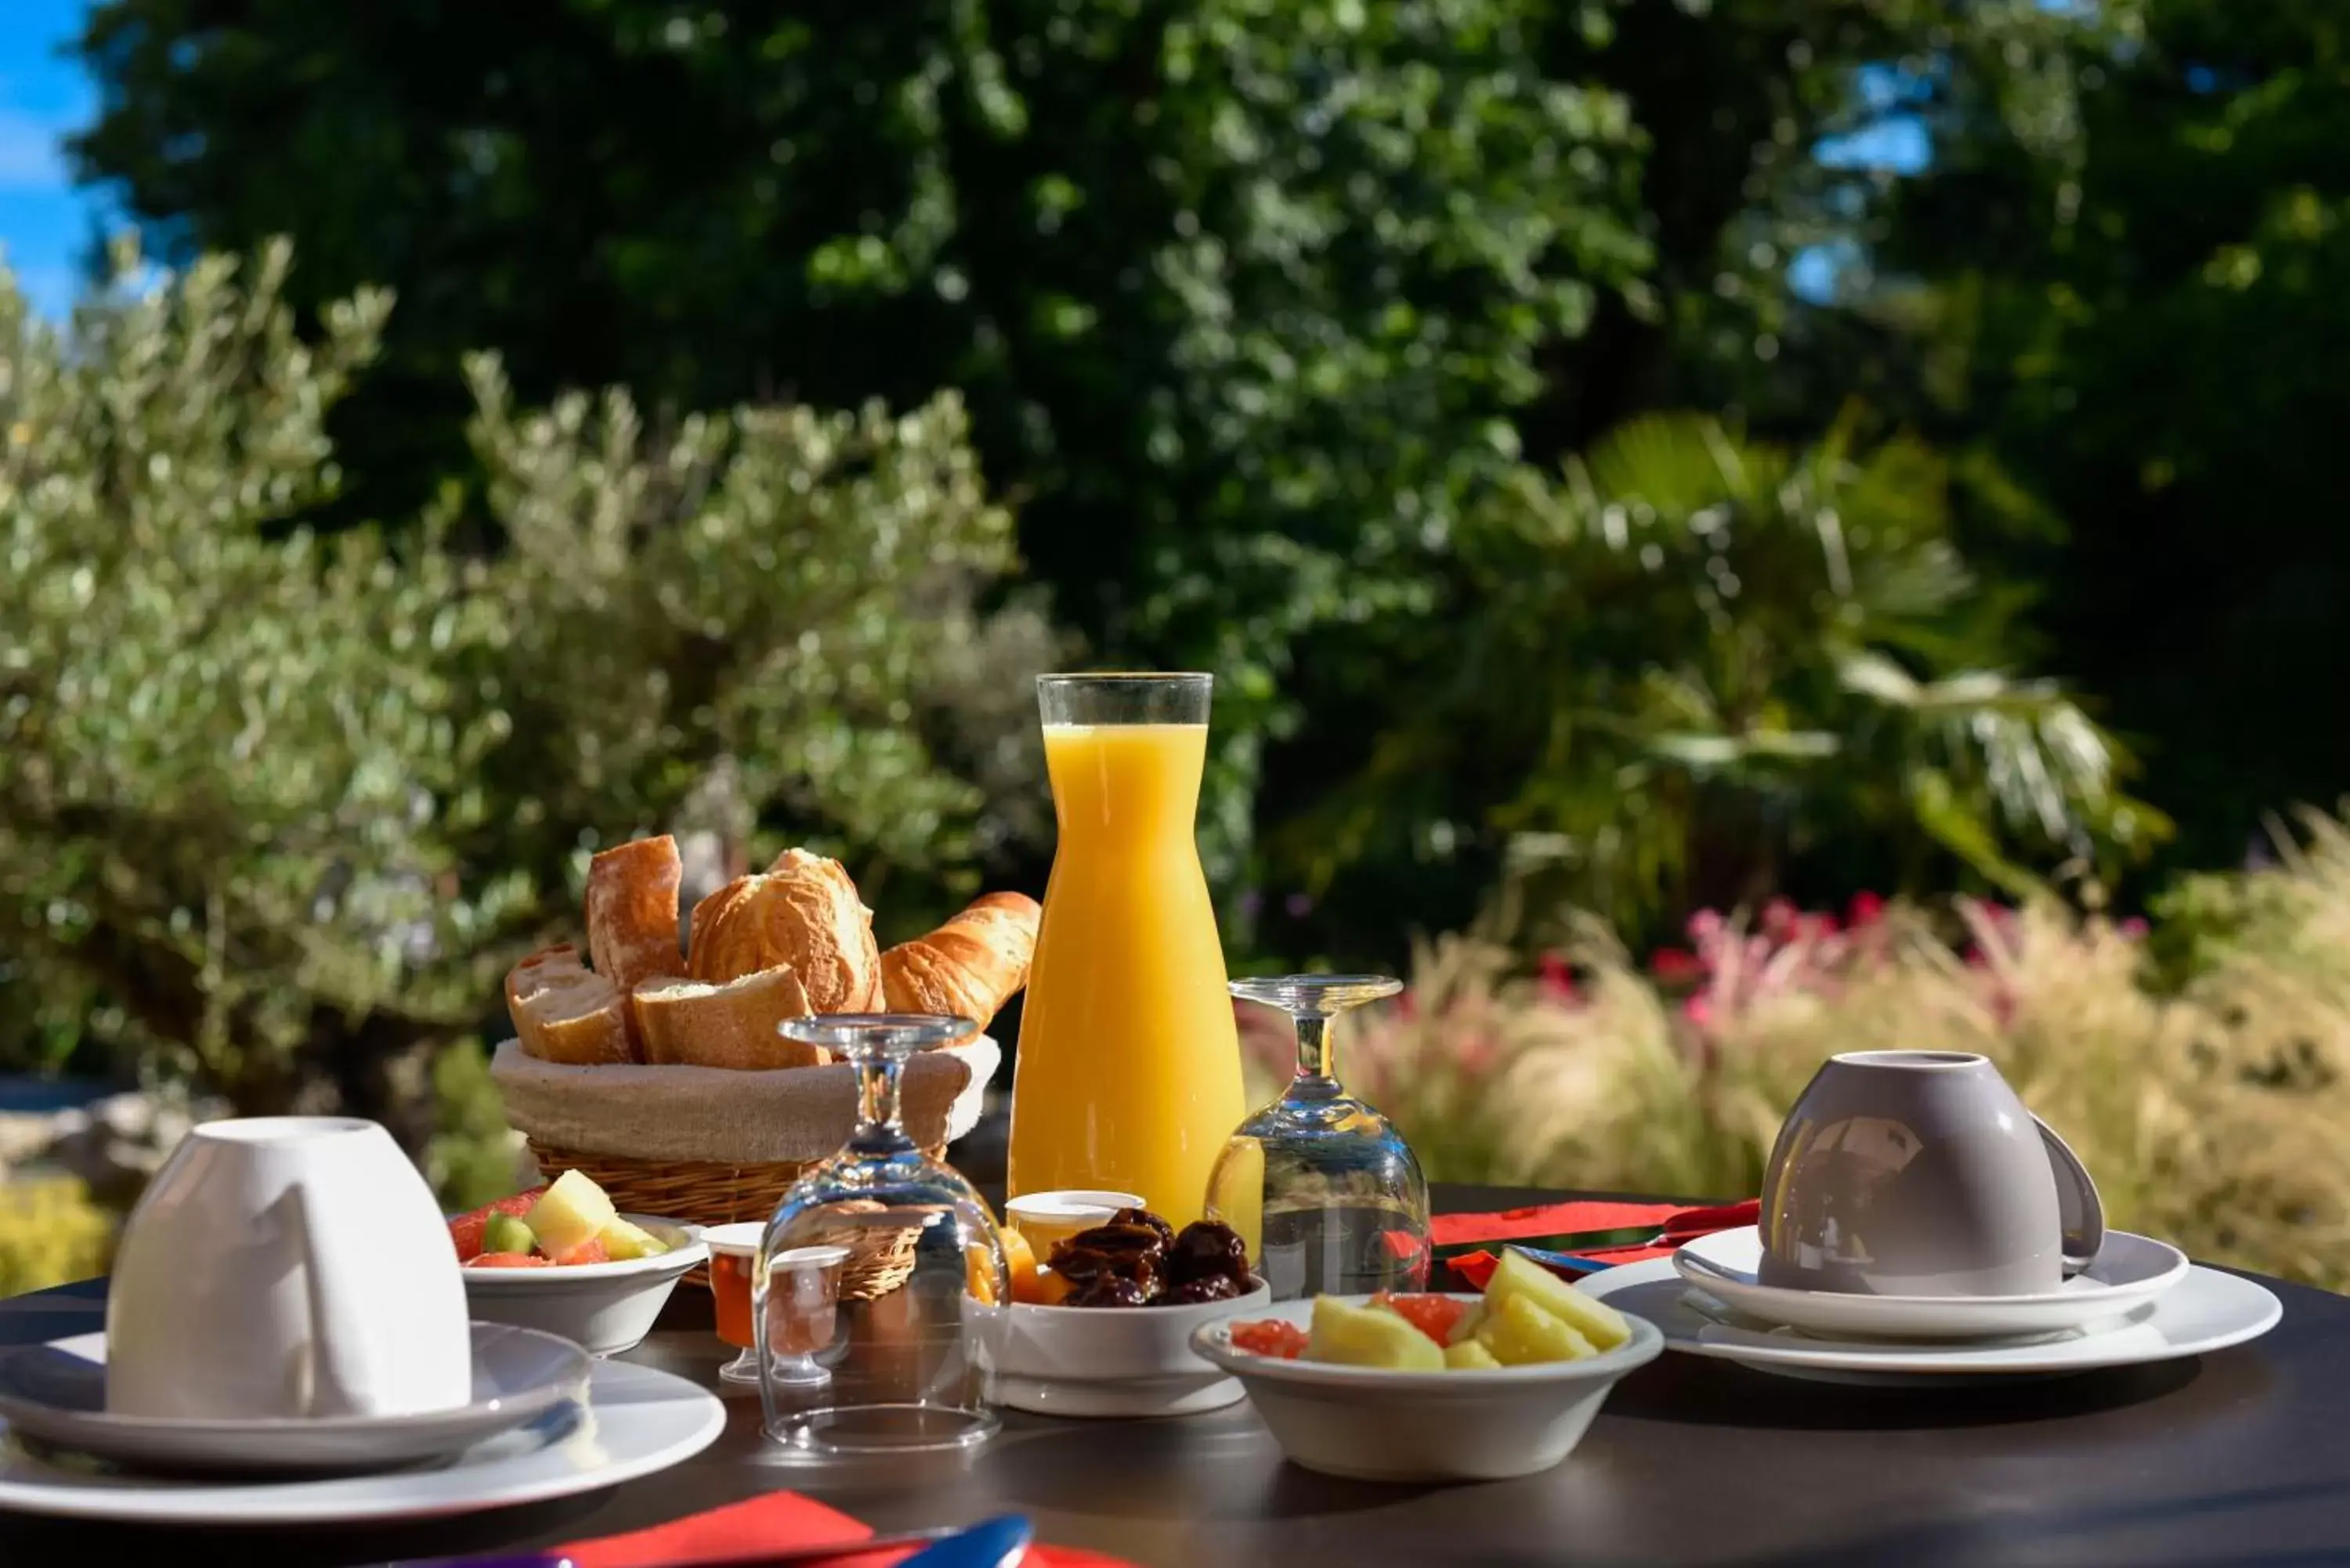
<point>2128,1271</point>
<point>635,1421</point>
<point>57,1393</point>
<point>2207,1311</point>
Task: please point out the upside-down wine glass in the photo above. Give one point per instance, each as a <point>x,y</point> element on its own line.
<point>878,1277</point>
<point>1326,1191</point>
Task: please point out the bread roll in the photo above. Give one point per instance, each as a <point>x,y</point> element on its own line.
<point>687,1023</point>
<point>803,911</point>
<point>632,912</point>
<point>969,967</point>
<point>563,1013</point>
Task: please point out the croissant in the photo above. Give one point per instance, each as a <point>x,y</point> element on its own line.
<point>803,912</point>
<point>968,968</point>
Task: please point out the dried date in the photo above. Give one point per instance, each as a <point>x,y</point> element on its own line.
<point>1145,1216</point>
<point>1207,1288</point>
<point>1209,1249</point>
<point>1133,1254</point>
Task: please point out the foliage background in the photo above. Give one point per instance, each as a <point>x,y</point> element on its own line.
<point>1642,457</point>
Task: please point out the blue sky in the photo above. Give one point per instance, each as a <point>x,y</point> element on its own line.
<point>44,223</point>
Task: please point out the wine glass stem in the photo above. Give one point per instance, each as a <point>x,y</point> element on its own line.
<point>1314,1057</point>
<point>877,1132</point>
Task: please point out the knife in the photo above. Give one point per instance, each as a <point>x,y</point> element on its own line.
<point>1566,1262</point>
<point>1005,1527</point>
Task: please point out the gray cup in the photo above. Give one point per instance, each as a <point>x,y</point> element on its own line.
<point>1919,1173</point>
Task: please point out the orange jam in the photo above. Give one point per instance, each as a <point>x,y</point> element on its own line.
<point>730,1288</point>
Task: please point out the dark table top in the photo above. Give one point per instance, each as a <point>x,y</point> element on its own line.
<point>2231,1458</point>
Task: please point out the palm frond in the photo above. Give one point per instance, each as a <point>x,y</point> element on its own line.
<point>1684,612</point>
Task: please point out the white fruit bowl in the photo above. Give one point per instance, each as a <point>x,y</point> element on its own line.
<point>1373,1425</point>
<point>1112,1361</point>
<point>604,1308</point>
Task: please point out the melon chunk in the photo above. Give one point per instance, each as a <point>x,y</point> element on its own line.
<point>1518,1332</point>
<point>624,1241</point>
<point>1468,1355</point>
<point>1471,1322</point>
<point>467,1229</point>
<point>572,1214</point>
<point>506,1233</point>
<point>1370,1337</point>
<point>1519,1276</point>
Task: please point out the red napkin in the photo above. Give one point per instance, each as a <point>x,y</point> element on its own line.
<point>1549,1220</point>
<point>1676,1223</point>
<point>774,1523</point>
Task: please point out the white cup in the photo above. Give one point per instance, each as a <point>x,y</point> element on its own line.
<point>286,1267</point>
<point>1045,1219</point>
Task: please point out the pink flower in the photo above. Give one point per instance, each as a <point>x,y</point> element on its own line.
<point>1705,924</point>
<point>2133,928</point>
<point>1779,917</point>
<point>1476,1053</point>
<point>1698,1010</point>
<point>1867,910</point>
<point>1555,978</point>
<point>1677,966</point>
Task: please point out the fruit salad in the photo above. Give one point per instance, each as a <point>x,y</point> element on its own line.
<point>1527,1317</point>
<point>566,1224</point>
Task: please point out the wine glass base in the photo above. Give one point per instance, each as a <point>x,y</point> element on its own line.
<point>866,1430</point>
<point>743,1368</point>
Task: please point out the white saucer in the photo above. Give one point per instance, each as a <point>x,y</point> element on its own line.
<point>2128,1271</point>
<point>55,1394</point>
<point>2207,1311</point>
<point>634,1421</point>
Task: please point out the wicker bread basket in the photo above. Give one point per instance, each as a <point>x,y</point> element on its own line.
<point>710,1146</point>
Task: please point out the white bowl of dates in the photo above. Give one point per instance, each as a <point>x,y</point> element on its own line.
<point>562,1260</point>
<point>1433,1388</point>
<point>1119,1340</point>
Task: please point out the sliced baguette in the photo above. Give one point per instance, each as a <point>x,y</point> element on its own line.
<point>563,1013</point>
<point>691,1023</point>
<point>633,911</point>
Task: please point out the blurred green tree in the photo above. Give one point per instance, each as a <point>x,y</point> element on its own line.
<point>1778,131</point>
<point>277,807</point>
<point>1243,295</point>
<point>2145,331</point>
<point>1774,133</point>
<point>1693,658</point>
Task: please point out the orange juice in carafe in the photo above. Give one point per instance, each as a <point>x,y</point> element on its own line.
<point>1129,1072</point>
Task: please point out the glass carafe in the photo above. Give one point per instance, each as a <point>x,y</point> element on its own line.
<point>1128,1071</point>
